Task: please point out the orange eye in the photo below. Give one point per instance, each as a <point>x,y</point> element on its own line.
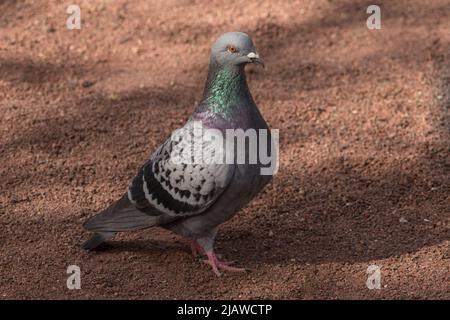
<point>232,49</point>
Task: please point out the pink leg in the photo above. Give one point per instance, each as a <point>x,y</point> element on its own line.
<point>222,265</point>
<point>196,249</point>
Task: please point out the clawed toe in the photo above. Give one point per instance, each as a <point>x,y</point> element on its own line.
<point>217,265</point>
<point>213,260</point>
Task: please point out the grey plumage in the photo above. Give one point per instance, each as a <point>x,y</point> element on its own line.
<point>194,199</point>
<point>96,239</point>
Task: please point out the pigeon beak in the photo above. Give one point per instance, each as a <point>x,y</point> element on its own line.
<point>254,58</point>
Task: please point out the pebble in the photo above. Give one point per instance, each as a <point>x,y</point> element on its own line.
<point>87,83</point>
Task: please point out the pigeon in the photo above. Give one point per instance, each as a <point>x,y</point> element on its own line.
<point>190,198</point>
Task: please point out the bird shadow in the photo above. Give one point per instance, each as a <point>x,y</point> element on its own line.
<point>148,246</point>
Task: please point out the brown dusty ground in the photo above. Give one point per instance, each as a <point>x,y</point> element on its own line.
<point>364,122</point>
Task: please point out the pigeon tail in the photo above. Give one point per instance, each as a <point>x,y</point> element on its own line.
<point>96,239</point>
<point>120,216</point>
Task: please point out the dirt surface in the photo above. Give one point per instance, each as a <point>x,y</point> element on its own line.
<point>364,126</point>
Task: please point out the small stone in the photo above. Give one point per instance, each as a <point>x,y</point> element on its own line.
<point>402,220</point>
<point>114,96</point>
<point>270,233</point>
<point>87,84</point>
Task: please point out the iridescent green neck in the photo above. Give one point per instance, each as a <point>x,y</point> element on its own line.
<point>226,90</point>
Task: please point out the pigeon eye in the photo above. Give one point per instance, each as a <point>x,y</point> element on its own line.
<point>232,49</point>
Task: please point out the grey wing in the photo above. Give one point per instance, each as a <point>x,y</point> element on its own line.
<point>180,188</point>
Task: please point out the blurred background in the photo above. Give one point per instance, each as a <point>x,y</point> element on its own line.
<point>364,126</point>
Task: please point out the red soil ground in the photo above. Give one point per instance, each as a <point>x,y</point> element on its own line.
<point>364,142</point>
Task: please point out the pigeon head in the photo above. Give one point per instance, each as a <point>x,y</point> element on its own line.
<point>226,91</point>
<point>235,49</point>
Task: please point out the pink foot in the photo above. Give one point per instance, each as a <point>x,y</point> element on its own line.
<point>222,265</point>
